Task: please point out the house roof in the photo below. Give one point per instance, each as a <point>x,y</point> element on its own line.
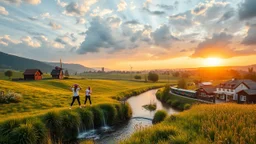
<point>31,71</point>
<point>56,71</point>
<point>208,89</point>
<point>206,83</point>
<point>235,83</point>
<point>250,92</point>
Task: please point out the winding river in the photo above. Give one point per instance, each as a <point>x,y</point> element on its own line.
<point>140,117</point>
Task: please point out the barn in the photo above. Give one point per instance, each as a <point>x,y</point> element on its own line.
<point>57,73</point>
<point>33,74</point>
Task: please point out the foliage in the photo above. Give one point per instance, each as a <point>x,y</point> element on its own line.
<point>110,113</point>
<point>153,77</point>
<point>8,73</point>
<point>138,77</point>
<point>187,106</point>
<point>159,116</point>
<point>66,74</point>
<point>182,83</point>
<point>251,74</point>
<point>203,124</point>
<point>10,97</point>
<point>173,100</point>
<point>176,74</point>
<point>150,107</point>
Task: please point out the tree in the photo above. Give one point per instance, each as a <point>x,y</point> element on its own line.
<point>176,74</point>
<point>8,74</point>
<point>66,73</point>
<point>182,83</point>
<point>138,77</point>
<point>251,74</point>
<point>153,77</point>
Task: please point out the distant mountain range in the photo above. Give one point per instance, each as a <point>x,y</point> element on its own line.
<point>8,61</point>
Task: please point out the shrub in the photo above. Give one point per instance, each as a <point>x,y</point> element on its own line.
<point>10,97</point>
<point>169,102</point>
<point>159,116</point>
<point>187,106</point>
<point>175,103</point>
<point>8,126</point>
<point>137,77</point>
<point>153,77</point>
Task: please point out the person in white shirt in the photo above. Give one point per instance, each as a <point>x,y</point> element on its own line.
<point>75,89</point>
<point>88,93</point>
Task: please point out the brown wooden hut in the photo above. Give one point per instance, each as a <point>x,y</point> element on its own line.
<point>33,74</point>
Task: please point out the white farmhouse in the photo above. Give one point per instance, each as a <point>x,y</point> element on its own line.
<point>228,91</point>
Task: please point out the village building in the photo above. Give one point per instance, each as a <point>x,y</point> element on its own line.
<point>57,73</point>
<point>33,74</point>
<point>228,91</point>
<point>206,92</point>
<point>247,96</point>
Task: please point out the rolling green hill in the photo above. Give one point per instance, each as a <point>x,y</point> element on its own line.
<point>8,61</point>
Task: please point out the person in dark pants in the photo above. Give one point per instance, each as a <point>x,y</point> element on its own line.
<point>88,92</point>
<point>75,90</point>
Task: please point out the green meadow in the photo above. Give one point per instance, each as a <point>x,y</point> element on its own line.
<point>43,96</point>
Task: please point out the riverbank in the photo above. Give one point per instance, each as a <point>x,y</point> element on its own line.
<point>204,123</point>
<point>62,126</point>
<point>173,100</point>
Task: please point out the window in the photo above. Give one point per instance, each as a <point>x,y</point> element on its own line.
<point>243,98</point>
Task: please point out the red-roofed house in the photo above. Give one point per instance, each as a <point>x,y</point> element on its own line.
<point>32,74</point>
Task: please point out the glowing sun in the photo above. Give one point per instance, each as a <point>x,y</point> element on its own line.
<point>212,61</point>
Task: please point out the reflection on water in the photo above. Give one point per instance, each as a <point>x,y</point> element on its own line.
<point>111,135</point>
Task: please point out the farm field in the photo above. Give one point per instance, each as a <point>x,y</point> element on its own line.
<point>45,95</point>
<point>125,76</point>
<point>202,124</point>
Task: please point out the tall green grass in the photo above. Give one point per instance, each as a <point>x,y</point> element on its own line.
<point>61,126</point>
<point>203,124</point>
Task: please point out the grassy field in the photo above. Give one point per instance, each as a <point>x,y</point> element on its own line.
<point>42,96</point>
<point>124,76</point>
<point>203,124</point>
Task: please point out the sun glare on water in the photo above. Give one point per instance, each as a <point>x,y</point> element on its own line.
<point>212,61</point>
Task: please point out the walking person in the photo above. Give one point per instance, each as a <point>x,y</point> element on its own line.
<point>88,93</point>
<point>75,89</point>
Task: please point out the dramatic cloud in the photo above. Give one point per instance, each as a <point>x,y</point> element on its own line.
<point>99,35</point>
<point>217,46</point>
<point>166,7</point>
<point>3,11</point>
<point>32,43</point>
<point>250,39</point>
<point>33,2</point>
<point>54,26</point>
<point>247,9</point>
<point>100,12</point>
<point>5,40</point>
<point>121,6</point>
<point>227,15</point>
<point>80,21</point>
<point>153,12</point>
<point>79,9</point>
<point>62,4</point>
<point>133,22</point>
<point>163,37</point>
<point>200,9</point>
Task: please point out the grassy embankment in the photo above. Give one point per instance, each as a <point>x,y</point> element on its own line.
<point>203,124</point>
<point>46,95</point>
<point>42,116</point>
<point>174,101</point>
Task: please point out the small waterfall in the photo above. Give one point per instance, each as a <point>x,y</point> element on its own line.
<point>105,126</point>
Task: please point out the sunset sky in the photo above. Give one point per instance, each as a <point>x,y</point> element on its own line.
<point>147,34</point>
